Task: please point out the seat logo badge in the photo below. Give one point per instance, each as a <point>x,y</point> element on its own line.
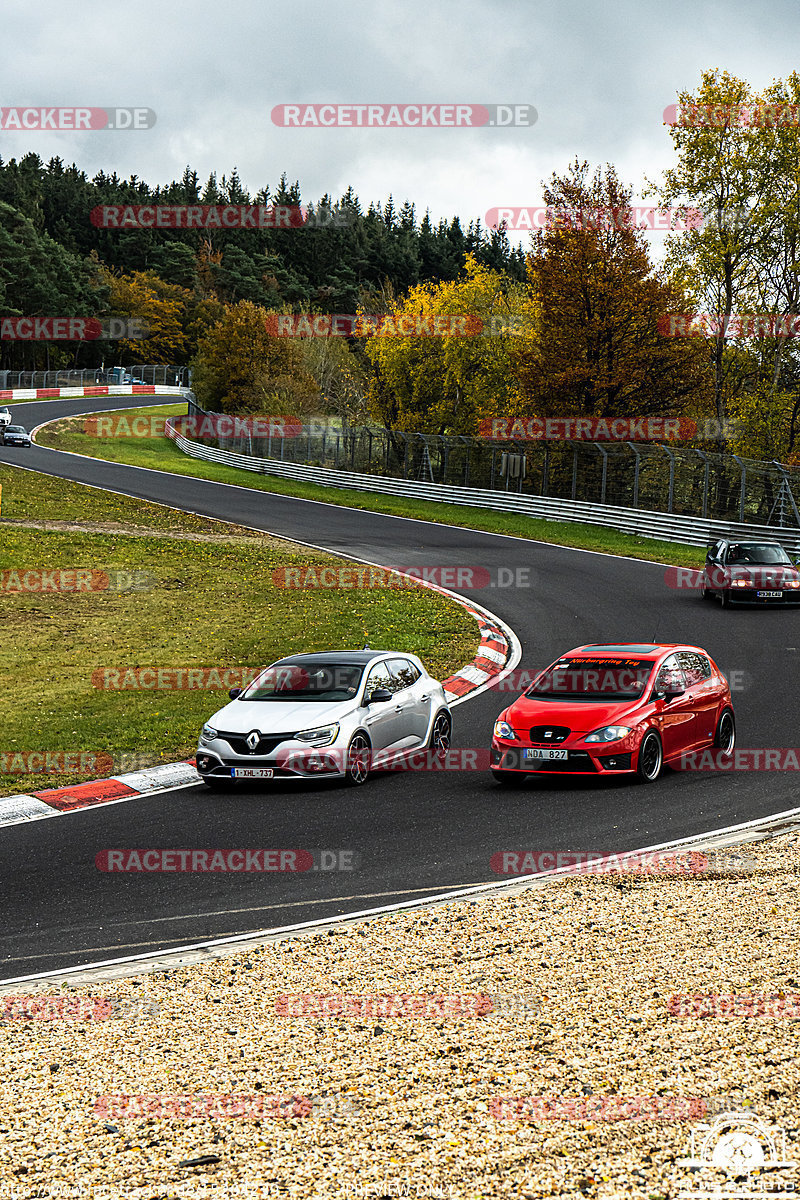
<point>548,733</point>
<point>253,739</point>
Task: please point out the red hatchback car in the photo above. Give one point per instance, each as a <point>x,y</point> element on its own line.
<point>615,710</point>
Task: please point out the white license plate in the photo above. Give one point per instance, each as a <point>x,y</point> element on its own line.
<point>769,595</point>
<point>252,772</point>
<point>547,755</point>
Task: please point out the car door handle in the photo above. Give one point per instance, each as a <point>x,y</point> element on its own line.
<point>400,708</point>
<point>425,699</point>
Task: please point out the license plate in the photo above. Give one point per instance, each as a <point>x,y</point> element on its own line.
<point>547,755</point>
<point>252,772</point>
<point>769,595</point>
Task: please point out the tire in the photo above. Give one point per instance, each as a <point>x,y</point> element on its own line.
<point>706,593</point>
<point>441,732</point>
<point>356,771</point>
<point>651,758</point>
<point>725,733</point>
<point>723,600</point>
<point>508,778</point>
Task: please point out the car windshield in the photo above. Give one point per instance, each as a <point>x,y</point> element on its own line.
<point>14,429</point>
<point>755,552</point>
<point>594,680</point>
<point>319,683</point>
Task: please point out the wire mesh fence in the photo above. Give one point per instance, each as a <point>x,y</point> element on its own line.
<point>167,376</point>
<point>649,476</point>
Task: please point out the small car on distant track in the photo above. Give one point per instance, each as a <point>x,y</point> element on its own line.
<point>5,415</point>
<point>15,435</point>
<point>330,715</point>
<point>752,572</point>
<point>621,709</point>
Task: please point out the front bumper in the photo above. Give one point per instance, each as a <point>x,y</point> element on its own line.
<point>748,596</point>
<point>289,761</point>
<point>603,761</point>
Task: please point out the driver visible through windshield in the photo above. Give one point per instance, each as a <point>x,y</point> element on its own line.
<point>752,552</point>
<point>593,679</point>
<point>319,683</point>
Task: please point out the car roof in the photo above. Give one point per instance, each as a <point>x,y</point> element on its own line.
<point>644,649</point>
<point>355,658</point>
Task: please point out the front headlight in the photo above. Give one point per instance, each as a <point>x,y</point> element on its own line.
<point>791,583</point>
<point>322,736</point>
<point>741,583</point>
<point>609,733</point>
<point>208,733</point>
<point>503,730</point>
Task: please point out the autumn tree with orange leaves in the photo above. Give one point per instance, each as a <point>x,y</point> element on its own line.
<point>599,350</point>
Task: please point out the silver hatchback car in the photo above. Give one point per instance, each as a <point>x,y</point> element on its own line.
<point>334,715</point>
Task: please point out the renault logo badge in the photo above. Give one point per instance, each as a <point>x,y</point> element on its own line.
<point>253,739</point>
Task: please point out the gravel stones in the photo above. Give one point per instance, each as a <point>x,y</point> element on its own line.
<point>583,975</point>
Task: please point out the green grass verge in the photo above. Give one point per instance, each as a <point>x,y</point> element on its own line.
<point>206,599</point>
<point>163,455</point>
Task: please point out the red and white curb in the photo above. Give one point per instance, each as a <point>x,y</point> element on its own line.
<point>499,651</point>
<point>34,806</point>
<point>122,389</point>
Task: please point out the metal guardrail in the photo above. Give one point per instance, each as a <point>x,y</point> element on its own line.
<point>87,376</point>
<point>691,531</point>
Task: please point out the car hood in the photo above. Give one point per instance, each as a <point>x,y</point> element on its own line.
<point>277,716</point>
<point>578,716</point>
<point>764,572</point>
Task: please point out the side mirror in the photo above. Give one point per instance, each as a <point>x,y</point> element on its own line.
<point>380,696</point>
<point>234,692</point>
<point>673,693</point>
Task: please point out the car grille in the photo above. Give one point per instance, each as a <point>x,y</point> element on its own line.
<point>266,745</point>
<point>549,735</point>
<point>578,760</point>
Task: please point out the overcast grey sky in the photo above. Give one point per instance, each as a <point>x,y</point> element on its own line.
<point>599,76</point>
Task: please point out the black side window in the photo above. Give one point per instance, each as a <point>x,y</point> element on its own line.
<point>403,672</point>
<point>696,668</point>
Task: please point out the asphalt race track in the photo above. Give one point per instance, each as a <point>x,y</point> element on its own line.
<point>416,833</point>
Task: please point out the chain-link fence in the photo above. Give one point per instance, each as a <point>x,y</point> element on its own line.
<point>141,373</point>
<point>636,475</point>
